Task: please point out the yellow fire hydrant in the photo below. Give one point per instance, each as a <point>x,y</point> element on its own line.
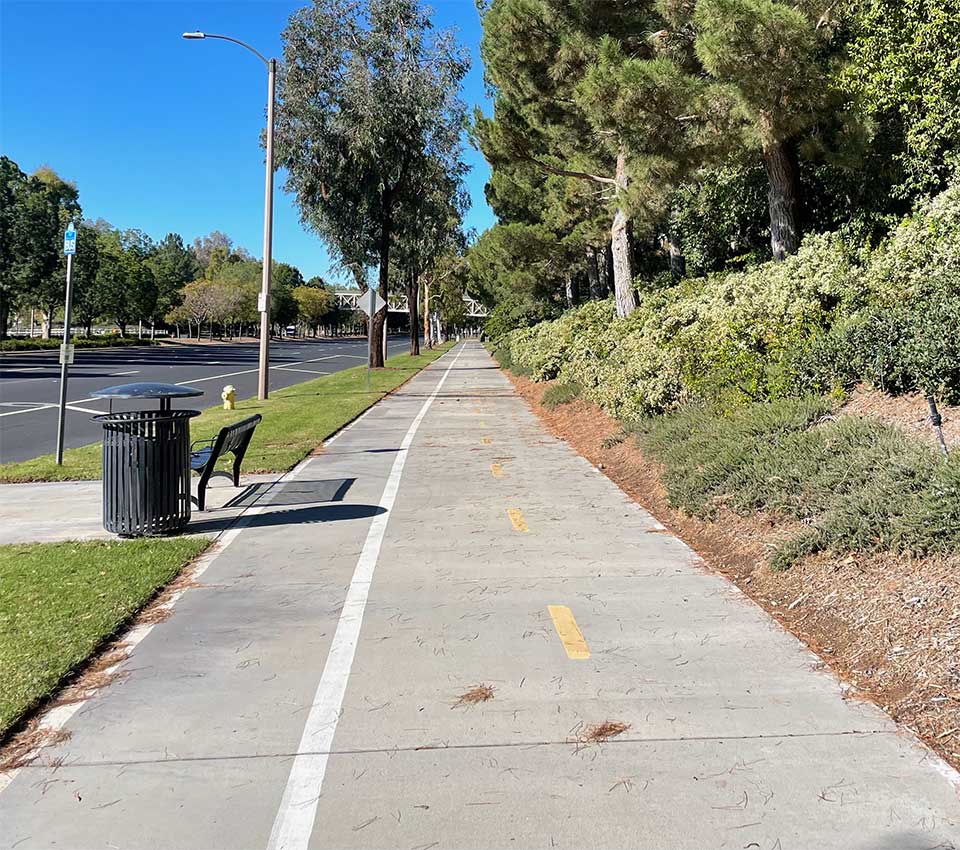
<point>229,396</point>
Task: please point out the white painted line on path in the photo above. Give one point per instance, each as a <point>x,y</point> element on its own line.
<point>57,717</point>
<point>298,808</point>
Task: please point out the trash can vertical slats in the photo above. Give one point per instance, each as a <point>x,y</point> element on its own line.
<point>146,471</point>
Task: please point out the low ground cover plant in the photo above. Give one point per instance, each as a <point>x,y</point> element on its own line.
<point>855,484</point>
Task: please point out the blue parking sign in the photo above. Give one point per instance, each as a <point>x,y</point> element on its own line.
<point>70,241</point>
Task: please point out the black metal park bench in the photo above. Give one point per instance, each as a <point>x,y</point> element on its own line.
<point>204,454</point>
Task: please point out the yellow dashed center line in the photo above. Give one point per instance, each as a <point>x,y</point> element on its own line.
<point>483,424</point>
<point>516,518</point>
<point>496,470</point>
<point>569,632</point>
<point>487,441</point>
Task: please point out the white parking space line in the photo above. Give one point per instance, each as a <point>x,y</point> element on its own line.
<point>43,405</point>
<point>250,371</point>
<point>83,409</point>
<point>298,808</point>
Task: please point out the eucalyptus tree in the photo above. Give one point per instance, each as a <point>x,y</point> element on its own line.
<point>430,224</point>
<point>365,91</point>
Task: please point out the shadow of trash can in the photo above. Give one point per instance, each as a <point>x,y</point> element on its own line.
<point>146,462</point>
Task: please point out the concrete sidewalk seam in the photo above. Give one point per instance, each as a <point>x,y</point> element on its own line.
<point>494,745</point>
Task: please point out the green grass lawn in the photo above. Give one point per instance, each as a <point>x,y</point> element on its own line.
<point>59,601</point>
<point>295,421</point>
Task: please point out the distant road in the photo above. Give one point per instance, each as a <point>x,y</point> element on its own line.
<point>29,382</point>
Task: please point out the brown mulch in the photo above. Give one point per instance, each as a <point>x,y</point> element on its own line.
<point>887,624</point>
<point>907,412</point>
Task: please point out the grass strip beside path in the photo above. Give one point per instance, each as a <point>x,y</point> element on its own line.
<point>295,421</point>
<point>60,601</point>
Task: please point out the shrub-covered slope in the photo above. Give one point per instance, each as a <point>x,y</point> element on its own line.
<point>821,321</point>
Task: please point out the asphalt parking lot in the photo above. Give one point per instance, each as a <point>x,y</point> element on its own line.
<point>30,381</point>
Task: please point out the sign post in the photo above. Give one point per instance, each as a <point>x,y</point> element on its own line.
<point>66,347</point>
<point>371,303</point>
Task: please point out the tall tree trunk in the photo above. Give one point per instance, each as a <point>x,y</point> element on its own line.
<point>620,238</point>
<point>606,272</point>
<point>4,314</point>
<point>123,328</point>
<point>413,305</point>
<point>46,321</point>
<point>378,329</point>
<point>593,272</point>
<point>572,291</point>
<point>783,194</point>
<point>427,339</point>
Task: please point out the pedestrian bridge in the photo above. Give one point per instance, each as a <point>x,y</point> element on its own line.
<point>397,303</point>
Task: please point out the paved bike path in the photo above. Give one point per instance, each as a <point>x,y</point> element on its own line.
<point>313,691</point>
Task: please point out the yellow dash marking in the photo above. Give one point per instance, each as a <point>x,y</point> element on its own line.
<point>569,632</point>
<point>516,517</point>
<point>483,424</point>
<point>487,441</point>
<point>496,470</point>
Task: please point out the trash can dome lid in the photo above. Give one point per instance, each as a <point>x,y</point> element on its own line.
<point>147,389</point>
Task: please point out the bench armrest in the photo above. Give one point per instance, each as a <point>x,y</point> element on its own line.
<point>208,442</point>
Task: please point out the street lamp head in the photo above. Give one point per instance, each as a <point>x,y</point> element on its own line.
<point>192,35</point>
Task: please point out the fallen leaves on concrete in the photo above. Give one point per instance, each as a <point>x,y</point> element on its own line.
<point>602,732</point>
<point>475,694</point>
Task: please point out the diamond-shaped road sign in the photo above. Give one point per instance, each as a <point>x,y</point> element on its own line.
<point>371,302</point>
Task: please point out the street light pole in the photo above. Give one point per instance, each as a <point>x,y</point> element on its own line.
<point>263,383</point>
<point>263,387</point>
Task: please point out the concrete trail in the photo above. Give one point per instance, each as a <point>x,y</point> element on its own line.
<point>416,644</point>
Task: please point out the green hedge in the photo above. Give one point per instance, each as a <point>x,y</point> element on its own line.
<point>106,341</point>
<point>821,321</point>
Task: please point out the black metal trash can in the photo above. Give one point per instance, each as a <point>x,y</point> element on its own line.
<point>146,471</point>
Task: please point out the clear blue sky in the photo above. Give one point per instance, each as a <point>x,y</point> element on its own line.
<point>160,133</point>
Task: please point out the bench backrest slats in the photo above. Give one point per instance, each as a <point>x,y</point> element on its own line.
<point>235,435</point>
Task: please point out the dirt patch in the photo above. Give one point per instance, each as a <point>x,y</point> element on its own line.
<point>604,731</point>
<point>888,625</point>
<point>476,694</point>
<point>907,412</point>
